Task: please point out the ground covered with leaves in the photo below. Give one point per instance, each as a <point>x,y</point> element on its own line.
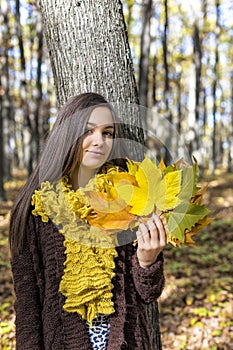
<point>196,307</point>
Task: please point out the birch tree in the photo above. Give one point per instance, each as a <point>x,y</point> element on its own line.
<point>89,51</point>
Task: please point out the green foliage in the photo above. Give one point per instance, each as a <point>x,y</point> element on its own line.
<point>183,217</point>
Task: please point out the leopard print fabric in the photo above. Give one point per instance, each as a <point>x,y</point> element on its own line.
<point>99,332</point>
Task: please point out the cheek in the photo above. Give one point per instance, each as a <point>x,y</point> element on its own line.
<point>110,145</point>
<point>85,142</point>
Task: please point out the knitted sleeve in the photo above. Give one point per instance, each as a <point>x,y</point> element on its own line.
<point>27,303</point>
<point>149,282</point>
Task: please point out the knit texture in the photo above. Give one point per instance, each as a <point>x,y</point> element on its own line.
<point>41,321</point>
<point>88,272</point>
<point>86,282</point>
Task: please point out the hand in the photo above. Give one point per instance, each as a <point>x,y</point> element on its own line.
<point>151,241</point>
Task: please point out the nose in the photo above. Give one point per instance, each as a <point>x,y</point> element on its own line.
<point>97,139</point>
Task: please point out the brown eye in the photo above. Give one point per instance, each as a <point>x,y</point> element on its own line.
<point>108,134</point>
<point>88,131</point>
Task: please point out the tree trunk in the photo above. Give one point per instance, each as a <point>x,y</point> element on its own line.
<point>230,148</point>
<point>214,91</point>
<point>39,100</point>
<point>145,53</point>
<point>204,112</point>
<point>7,103</point>
<point>89,51</point>
<point>2,153</point>
<point>197,53</point>
<point>168,113</point>
<point>165,60</point>
<point>197,48</point>
<point>26,148</point>
<point>154,81</point>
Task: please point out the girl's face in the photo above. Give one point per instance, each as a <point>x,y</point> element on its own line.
<point>98,139</point>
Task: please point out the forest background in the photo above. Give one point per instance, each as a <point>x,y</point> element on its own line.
<point>182,53</point>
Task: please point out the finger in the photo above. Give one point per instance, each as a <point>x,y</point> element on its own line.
<point>141,232</point>
<point>154,232</point>
<point>145,233</point>
<point>152,228</point>
<point>161,229</point>
<point>140,238</point>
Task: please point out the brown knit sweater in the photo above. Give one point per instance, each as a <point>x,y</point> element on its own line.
<point>41,322</point>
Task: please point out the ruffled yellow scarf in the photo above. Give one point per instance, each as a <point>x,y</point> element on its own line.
<point>89,265</point>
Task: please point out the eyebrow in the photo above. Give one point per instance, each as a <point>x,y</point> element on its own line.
<point>106,127</point>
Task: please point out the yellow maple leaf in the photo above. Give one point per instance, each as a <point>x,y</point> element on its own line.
<point>152,188</point>
<point>112,222</point>
<point>111,215</point>
<point>169,199</point>
<point>100,202</point>
<point>121,197</point>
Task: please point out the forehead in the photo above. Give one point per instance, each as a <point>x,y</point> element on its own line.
<point>100,116</point>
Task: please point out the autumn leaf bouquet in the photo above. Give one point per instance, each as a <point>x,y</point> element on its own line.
<point>119,200</point>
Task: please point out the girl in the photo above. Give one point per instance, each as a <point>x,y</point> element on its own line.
<point>71,295</point>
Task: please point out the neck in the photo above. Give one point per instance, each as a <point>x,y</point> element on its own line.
<point>80,177</point>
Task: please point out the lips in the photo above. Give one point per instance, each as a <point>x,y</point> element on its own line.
<point>96,153</point>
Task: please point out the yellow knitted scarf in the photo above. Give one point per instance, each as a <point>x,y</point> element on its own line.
<point>89,265</point>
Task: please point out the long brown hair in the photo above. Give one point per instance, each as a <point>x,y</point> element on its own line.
<point>60,155</point>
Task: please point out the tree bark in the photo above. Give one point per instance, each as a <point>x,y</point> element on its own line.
<point>39,100</point>
<point>214,91</point>
<point>165,61</point>
<point>2,153</point>
<point>145,53</point>
<point>168,112</point>
<point>7,108</point>
<point>26,148</point>
<point>230,149</point>
<point>197,48</point>
<point>89,52</point>
<point>154,81</point>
